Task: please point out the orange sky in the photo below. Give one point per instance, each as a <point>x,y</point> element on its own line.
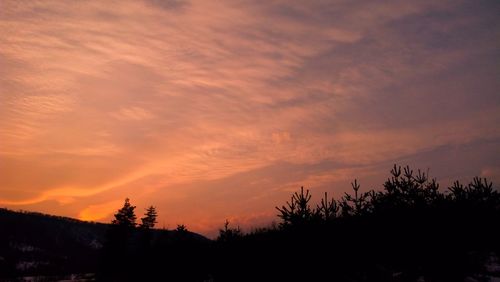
<point>214,110</point>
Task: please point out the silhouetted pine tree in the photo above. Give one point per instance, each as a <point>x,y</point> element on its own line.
<point>117,251</point>
<point>478,191</point>
<point>408,190</point>
<point>149,219</point>
<point>327,209</point>
<point>297,211</point>
<point>229,234</point>
<point>358,204</point>
<point>125,217</point>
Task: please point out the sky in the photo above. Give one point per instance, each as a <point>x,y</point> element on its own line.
<point>215,110</point>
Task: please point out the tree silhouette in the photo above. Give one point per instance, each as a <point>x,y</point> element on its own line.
<point>149,219</point>
<point>405,189</point>
<point>327,209</point>
<point>415,230</point>
<point>229,234</point>
<point>297,211</point>
<point>125,217</point>
<point>117,249</point>
<point>479,190</point>
<point>359,204</point>
<point>181,228</point>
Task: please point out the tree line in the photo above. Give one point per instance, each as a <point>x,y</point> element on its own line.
<point>126,217</point>
<point>409,230</point>
<point>405,189</point>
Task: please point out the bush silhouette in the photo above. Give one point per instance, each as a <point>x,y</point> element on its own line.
<point>181,228</point>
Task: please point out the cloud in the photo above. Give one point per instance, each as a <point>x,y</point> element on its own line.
<point>132,113</point>
<point>491,173</point>
<point>169,4</point>
<point>236,102</point>
<point>99,211</point>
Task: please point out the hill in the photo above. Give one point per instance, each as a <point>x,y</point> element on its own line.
<point>34,244</point>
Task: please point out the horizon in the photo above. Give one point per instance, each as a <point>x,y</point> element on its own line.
<point>221,110</point>
<point>275,222</point>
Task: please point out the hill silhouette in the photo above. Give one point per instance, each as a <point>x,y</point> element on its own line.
<point>54,247</point>
<point>409,230</point>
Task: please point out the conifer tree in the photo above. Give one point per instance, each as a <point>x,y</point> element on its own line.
<point>229,234</point>
<point>125,217</point>
<point>149,219</point>
<point>297,211</point>
<point>327,209</point>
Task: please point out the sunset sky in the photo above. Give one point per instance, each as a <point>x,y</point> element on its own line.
<point>215,110</point>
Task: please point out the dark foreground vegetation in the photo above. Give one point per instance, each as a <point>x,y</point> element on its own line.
<point>411,230</point>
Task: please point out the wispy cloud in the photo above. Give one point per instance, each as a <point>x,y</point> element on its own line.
<point>132,113</point>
